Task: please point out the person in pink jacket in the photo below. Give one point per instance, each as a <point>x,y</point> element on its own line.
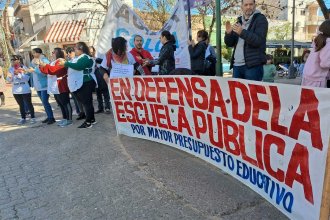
<point>317,67</point>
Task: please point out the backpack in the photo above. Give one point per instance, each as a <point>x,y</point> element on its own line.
<point>210,65</point>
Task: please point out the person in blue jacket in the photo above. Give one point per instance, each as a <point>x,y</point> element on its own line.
<point>39,82</point>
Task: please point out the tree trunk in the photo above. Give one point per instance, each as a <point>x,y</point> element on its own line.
<point>324,9</point>
<point>5,26</point>
<point>3,45</point>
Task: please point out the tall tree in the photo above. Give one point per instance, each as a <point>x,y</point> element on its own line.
<point>3,38</point>
<point>6,28</point>
<point>270,8</point>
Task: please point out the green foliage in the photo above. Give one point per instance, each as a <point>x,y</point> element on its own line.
<point>226,52</point>
<point>280,32</point>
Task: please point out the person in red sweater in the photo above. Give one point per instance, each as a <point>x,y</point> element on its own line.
<point>140,54</point>
<point>58,75</point>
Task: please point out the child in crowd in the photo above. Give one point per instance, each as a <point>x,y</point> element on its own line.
<point>304,59</point>
<point>317,66</point>
<point>269,69</point>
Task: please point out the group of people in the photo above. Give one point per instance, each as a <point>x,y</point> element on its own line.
<point>70,71</point>
<point>248,37</point>
<point>78,72</point>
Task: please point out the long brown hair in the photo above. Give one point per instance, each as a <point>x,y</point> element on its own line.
<point>321,38</point>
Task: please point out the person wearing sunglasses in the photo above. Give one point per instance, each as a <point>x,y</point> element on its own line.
<point>81,80</point>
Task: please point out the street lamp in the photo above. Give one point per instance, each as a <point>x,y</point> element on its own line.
<point>219,70</point>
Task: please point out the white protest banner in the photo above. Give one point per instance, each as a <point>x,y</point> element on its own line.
<point>121,20</point>
<point>273,138</point>
<point>121,70</point>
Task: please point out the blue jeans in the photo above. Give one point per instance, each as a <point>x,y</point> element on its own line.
<point>243,72</point>
<point>44,99</point>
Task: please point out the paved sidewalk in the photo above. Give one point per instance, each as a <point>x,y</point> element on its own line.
<point>47,172</point>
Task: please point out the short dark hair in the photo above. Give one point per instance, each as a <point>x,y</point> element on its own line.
<point>58,53</point>
<point>269,57</point>
<point>69,50</point>
<point>83,47</point>
<point>203,34</point>
<point>15,57</point>
<point>119,45</point>
<point>137,36</point>
<point>37,50</point>
<point>254,1</point>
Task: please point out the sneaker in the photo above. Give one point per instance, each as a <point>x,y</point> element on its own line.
<point>21,121</point>
<point>86,125</point>
<point>33,121</point>
<point>60,122</point>
<point>82,116</point>
<point>45,121</point>
<point>75,113</point>
<point>66,123</point>
<point>107,111</point>
<point>93,121</point>
<point>99,111</point>
<point>51,121</point>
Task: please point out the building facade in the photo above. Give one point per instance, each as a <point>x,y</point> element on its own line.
<point>56,23</point>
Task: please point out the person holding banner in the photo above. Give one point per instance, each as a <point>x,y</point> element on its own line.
<point>166,59</point>
<point>118,54</point>
<point>317,67</point>
<point>81,80</point>
<point>197,52</point>
<point>248,38</point>
<point>140,54</point>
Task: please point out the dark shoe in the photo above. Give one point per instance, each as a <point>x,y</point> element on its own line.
<point>45,121</point>
<point>51,121</point>
<point>99,111</point>
<point>86,125</point>
<point>93,121</point>
<point>82,116</point>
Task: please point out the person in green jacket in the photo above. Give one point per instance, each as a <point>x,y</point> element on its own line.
<point>269,69</point>
<point>81,80</point>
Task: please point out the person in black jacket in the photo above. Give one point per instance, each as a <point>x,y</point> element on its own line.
<point>197,52</point>
<point>166,59</point>
<point>248,37</point>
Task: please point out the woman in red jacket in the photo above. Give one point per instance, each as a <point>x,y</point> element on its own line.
<point>58,85</point>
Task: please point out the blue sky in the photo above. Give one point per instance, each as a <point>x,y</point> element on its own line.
<point>2,3</point>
